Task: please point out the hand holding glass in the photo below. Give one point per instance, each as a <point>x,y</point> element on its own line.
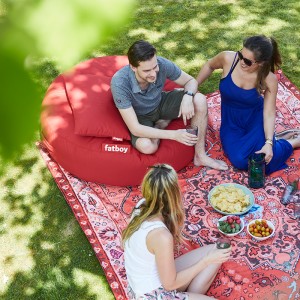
<point>223,243</point>
<point>192,129</point>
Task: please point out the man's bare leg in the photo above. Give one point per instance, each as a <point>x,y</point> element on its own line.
<point>150,146</point>
<point>200,120</point>
<point>162,124</point>
<point>146,145</point>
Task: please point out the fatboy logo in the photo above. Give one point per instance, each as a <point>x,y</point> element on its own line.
<point>116,148</point>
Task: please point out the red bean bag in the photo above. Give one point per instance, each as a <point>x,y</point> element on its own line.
<point>84,132</point>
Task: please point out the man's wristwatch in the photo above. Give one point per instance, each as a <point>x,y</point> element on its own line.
<point>189,93</point>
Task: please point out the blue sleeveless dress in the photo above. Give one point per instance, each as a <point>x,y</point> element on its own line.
<point>242,130</point>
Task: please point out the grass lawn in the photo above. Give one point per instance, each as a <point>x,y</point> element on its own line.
<point>43,252</point>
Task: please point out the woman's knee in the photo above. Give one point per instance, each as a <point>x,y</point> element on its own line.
<point>239,161</point>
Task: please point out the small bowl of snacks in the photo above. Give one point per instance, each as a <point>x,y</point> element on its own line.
<point>230,225</point>
<point>260,229</point>
<point>231,199</point>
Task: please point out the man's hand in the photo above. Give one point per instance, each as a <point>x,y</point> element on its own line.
<point>182,136</point>
<point>186,108</point>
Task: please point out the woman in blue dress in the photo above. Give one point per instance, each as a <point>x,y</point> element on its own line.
<point>248,91</point>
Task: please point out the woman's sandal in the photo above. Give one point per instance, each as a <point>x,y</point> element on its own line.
<point>287,134</point>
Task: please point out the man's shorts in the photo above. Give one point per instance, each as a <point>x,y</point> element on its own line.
<point>168,109</point>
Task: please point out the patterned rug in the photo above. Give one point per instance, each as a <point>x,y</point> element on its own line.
<point>257,270</point>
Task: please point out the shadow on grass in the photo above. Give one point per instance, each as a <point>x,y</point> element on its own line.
<point>190,32</point>
<point>45,253</point>
<point>45,256</point>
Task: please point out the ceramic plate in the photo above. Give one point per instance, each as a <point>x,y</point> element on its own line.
<point>242,187</point>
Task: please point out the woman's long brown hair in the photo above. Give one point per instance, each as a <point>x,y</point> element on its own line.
<point>162,195</point>
<point>265,51</point>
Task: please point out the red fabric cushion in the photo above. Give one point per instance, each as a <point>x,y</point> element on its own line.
<point>89,95</point>
<point>88,91</point>
<point>82,155</point>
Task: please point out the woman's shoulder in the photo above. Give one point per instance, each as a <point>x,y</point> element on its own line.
<point>159,238</point>
<point>271,80</point>
<point>161,234</point>
<point>154,222</point>
<point>228,56</point>
<point>271,77</point>
<point>224,59</point>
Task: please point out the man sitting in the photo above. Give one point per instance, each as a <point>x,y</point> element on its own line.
<point>147,110</point>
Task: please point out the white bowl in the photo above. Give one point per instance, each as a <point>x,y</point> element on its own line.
<point>270,224</point>
<point>231,234</point>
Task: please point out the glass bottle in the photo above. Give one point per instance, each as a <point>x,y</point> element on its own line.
<point>223,243</point>
<point>192,129</point>
<point>290,189</point>
<point>256,170</point>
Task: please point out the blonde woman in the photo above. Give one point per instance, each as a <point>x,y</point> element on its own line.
<point>151,269</point>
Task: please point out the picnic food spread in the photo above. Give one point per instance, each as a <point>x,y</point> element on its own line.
<point>230,199</point>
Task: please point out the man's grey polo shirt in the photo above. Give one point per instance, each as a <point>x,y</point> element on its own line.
<point>127,92</point>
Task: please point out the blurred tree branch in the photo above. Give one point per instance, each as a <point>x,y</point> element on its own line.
<point>64,31</point>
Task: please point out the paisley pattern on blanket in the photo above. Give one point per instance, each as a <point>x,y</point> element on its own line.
<point>257,270</point>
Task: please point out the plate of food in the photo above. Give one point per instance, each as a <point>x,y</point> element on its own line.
<point>231,199</point>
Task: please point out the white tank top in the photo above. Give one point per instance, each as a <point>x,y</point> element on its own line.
<point>140,265</point>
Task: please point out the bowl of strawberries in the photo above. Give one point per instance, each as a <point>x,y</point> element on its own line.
<point>231,225</point>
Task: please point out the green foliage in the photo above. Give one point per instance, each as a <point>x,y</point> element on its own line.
<point>190,32</point>
<point>66,31</point>
<point>19,105</point>
<point>44,253</point>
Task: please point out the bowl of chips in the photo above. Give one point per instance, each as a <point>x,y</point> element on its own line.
<point>231,199</point>
<point>261,229</point>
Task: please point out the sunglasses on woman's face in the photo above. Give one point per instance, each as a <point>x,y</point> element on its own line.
<point>247,61</point>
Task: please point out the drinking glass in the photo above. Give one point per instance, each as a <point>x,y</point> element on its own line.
<point>290,189</point>
<point>223,243</point>
<point>293,180</point>
<point>297,208</point>
<point>192,129</point>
